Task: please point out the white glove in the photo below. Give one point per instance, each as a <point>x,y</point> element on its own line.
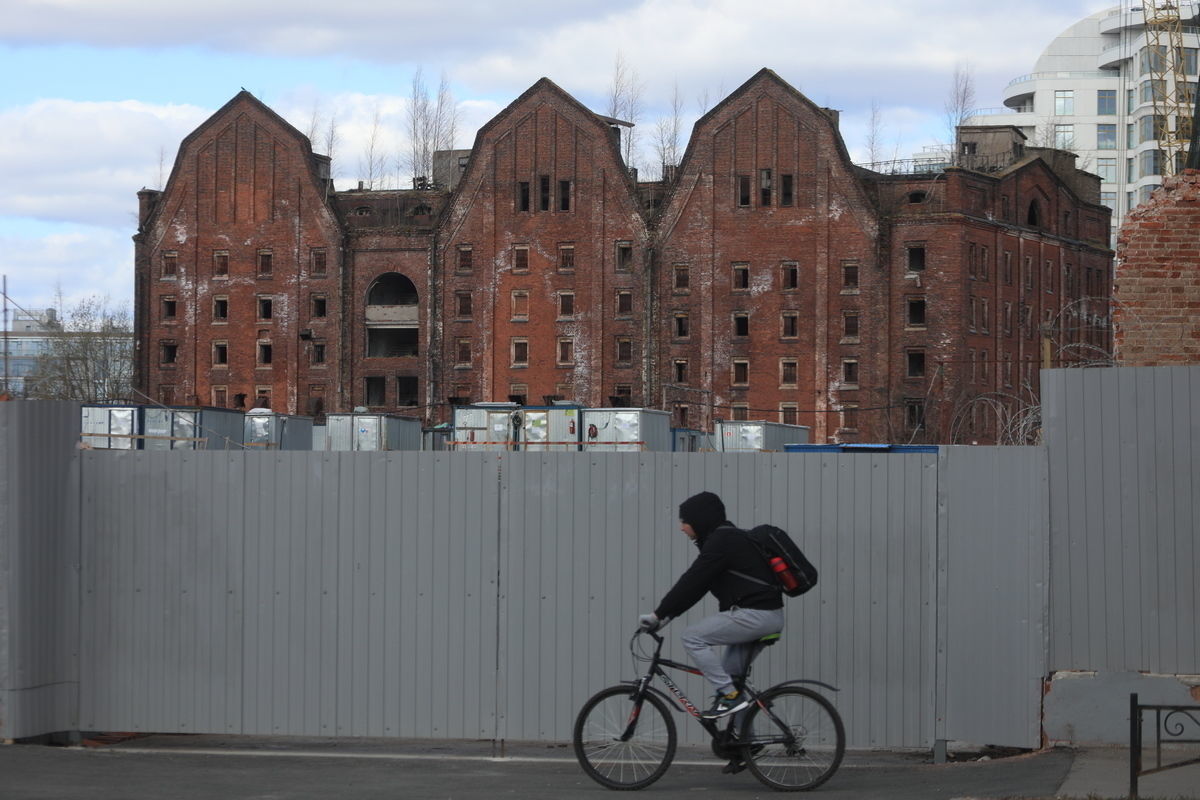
<point>649,622</point>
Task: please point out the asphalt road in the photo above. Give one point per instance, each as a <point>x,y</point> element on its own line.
<point>183,768</point>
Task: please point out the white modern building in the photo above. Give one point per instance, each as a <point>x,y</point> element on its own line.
<point>1092,92</point>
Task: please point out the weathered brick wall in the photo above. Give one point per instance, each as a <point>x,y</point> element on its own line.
<point>1157,286</point>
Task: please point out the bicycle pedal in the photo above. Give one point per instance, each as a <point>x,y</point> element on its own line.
<point>733,767</point>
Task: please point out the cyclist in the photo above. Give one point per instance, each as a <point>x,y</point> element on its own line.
<point>749,610</point>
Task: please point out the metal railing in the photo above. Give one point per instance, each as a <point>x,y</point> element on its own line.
<point>930,166</point>
<point>1171,722</point>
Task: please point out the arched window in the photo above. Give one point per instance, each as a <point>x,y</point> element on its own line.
<point>916,197</point>
<point>392,289</point>
<point>1034,214</point>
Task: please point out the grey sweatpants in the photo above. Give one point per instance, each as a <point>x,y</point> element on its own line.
<point>737,629</point>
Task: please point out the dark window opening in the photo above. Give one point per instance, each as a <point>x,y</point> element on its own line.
<point>624,256</point>
<point>220,264</point>
<point>265,308</point>
<point>544,192</point>
<point>239,400</point>
<point>264,353</point>
<point>681,325</point>
<point>220,353</point>
<point>392,342</point>
<point>916,311</point>
<point>786,193</point>
<point>376,390</point>
<point>170,265</point>
<point>319,306</point>
<point>1034,214</point>
<point>169,352</point>
<point>624,350</point>
<point>764,187</point>
<point>743,190</point>
<point>622,396</point>
<point>916,197</point>
<point>849,276</point>
<point>788,372</point>
<point>464,262</point>
<point>914,414</point>
<point>318,262</point>
<point>521,259</point>
<point>624,302</point>
<point>741,324</point>
<point>564,195</point>
<point>463,356</point>
<point>394,289</point>
<point>741,373</point>
<point>681,372</point>
<point>741,276</point>
<point>791,325</point>
<point>318,353</point>
<point>850,326</point>
<point>850,372</point>
<point>406,390</point>
<point>464,304</point>
<point>520,352</point>
<point>566,258</point>
<point>523,196</point>
<point>790,276</point>
<point>168,308</point>
<point>916,363</point>
<point>681,277</point>
<point>220,308</point>
<point>264,263</point>
<point>566,305</point>
<point>916,258</point>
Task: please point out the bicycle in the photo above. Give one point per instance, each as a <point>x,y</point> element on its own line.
<point>791,737</point>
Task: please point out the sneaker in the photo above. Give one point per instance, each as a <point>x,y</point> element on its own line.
<point>726,704</point>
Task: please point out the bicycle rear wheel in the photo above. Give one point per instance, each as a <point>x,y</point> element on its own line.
<point>623,744</point>
<point>794,739</point>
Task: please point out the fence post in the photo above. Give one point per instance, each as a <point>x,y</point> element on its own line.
<point>1135,745</point>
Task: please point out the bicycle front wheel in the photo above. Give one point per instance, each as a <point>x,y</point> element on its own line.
<point>623,743</point>
<point>794,739</point>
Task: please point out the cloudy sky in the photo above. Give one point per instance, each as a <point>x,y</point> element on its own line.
<point>97,94</point>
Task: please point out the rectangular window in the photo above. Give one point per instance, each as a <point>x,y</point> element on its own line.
<point>916,364</point>
<point>916,312</point>
<point>1048,277</point>
<point>566,305</point>
<point>316,400</point>
<point>741,372</point>
<point>1028,272</point>
<point>319,266</point>
<point>1109,199</point>
<point>319,306</point>
<point>544,192</point>
<point>1152,59</point>
<point>566,351</point>
<point>523,196</point>
<point>465,258</point>
<point>971,261</point>
<point>220,263</point>
<point>973,318</point>
<point>220,396</point>
<point>520,304</point>
<point>1008,318</point>
<point>1064,136</point>
<point>790,321</point>
<point>1106,168</point>
<point>1130,100</point>
<point>739,411</point>
<point>764,187</point>
<point>520,352</point>
<point>564,195</point>
<point>1151,162</point>
<point>566,257</point>
<point>681,371</point>
<point>168,307</point>
<point>1106,102</point>
<point>462,351</point>
<point>406,390</point>
<point>1008,271</point>
<point>914,413</point>
<point>220,308</point>
<point>376,390</point>
<point>1131,169</point>
<point>741,276</point>
<point>462,303</point>
<point>624,257</point>
<point>741,324</point>
<point>318,353</point>
<point>1064,102</point>
<point>850,373</point>
<point>265,308</point>
<point>789,369</point>
<point>220,354</point>
<point>743,190</point>
<point>681,326</point>
<point>170,264</point>
<point>789,276</point>
<point>788,413</point>
<point>624,303</point>
<point>1152,91</point>
<point>984,365</point>
<point>518,393</point>
<point>264,264</point>
<point>1106,137</point>
<point>786,192</point>
<point>850,278</point>
<point>1131,135</point>
<point>681,415</point>
<point>985,267</point>
<point>984,315</point>
<point>521,259</point>
<point>1188,58</point>
<point>850,326</point>
<point>682,277</point>
<point>916,257</point>
<point>849,417</point>
<point>264,353</point>
<point>624,350</point>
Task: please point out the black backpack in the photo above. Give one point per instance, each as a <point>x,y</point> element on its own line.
<point>794,574</point>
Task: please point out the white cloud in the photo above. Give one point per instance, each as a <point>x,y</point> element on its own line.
<point>83,261</point>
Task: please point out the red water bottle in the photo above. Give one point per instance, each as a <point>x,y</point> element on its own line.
<point>784,574</point>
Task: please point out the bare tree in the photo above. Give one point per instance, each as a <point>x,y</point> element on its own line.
<point>371,165</point>
<point>961,100</point>
<point>432,125</point>
<point>90,355</point>
<point>162,167</point>
<point>331,141</point>
<point>625,103</point>
<point>874,142</point>
<point>666,133</point>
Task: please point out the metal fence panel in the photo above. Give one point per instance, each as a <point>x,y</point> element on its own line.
<point>997,568</point>
<point>1123,448</point>
<point>39,593</point>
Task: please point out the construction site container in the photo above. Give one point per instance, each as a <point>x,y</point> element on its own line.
<point>747,436</point>
<point>690,440</point>
<point>264,428</point>
<point>111,427</point>
<point>372,432</point>
<point>191,429</point>
<point>861,447</point>
<point>626,430</point>
<point>485,426</point>
<point>550,428</point>
<point>320,437</point>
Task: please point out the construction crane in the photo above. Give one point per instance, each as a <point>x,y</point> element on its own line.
<point>1164,62</point>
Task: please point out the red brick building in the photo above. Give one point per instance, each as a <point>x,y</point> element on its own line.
<point>768,279</point>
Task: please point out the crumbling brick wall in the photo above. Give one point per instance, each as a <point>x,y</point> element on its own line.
<point>1157,286</point>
